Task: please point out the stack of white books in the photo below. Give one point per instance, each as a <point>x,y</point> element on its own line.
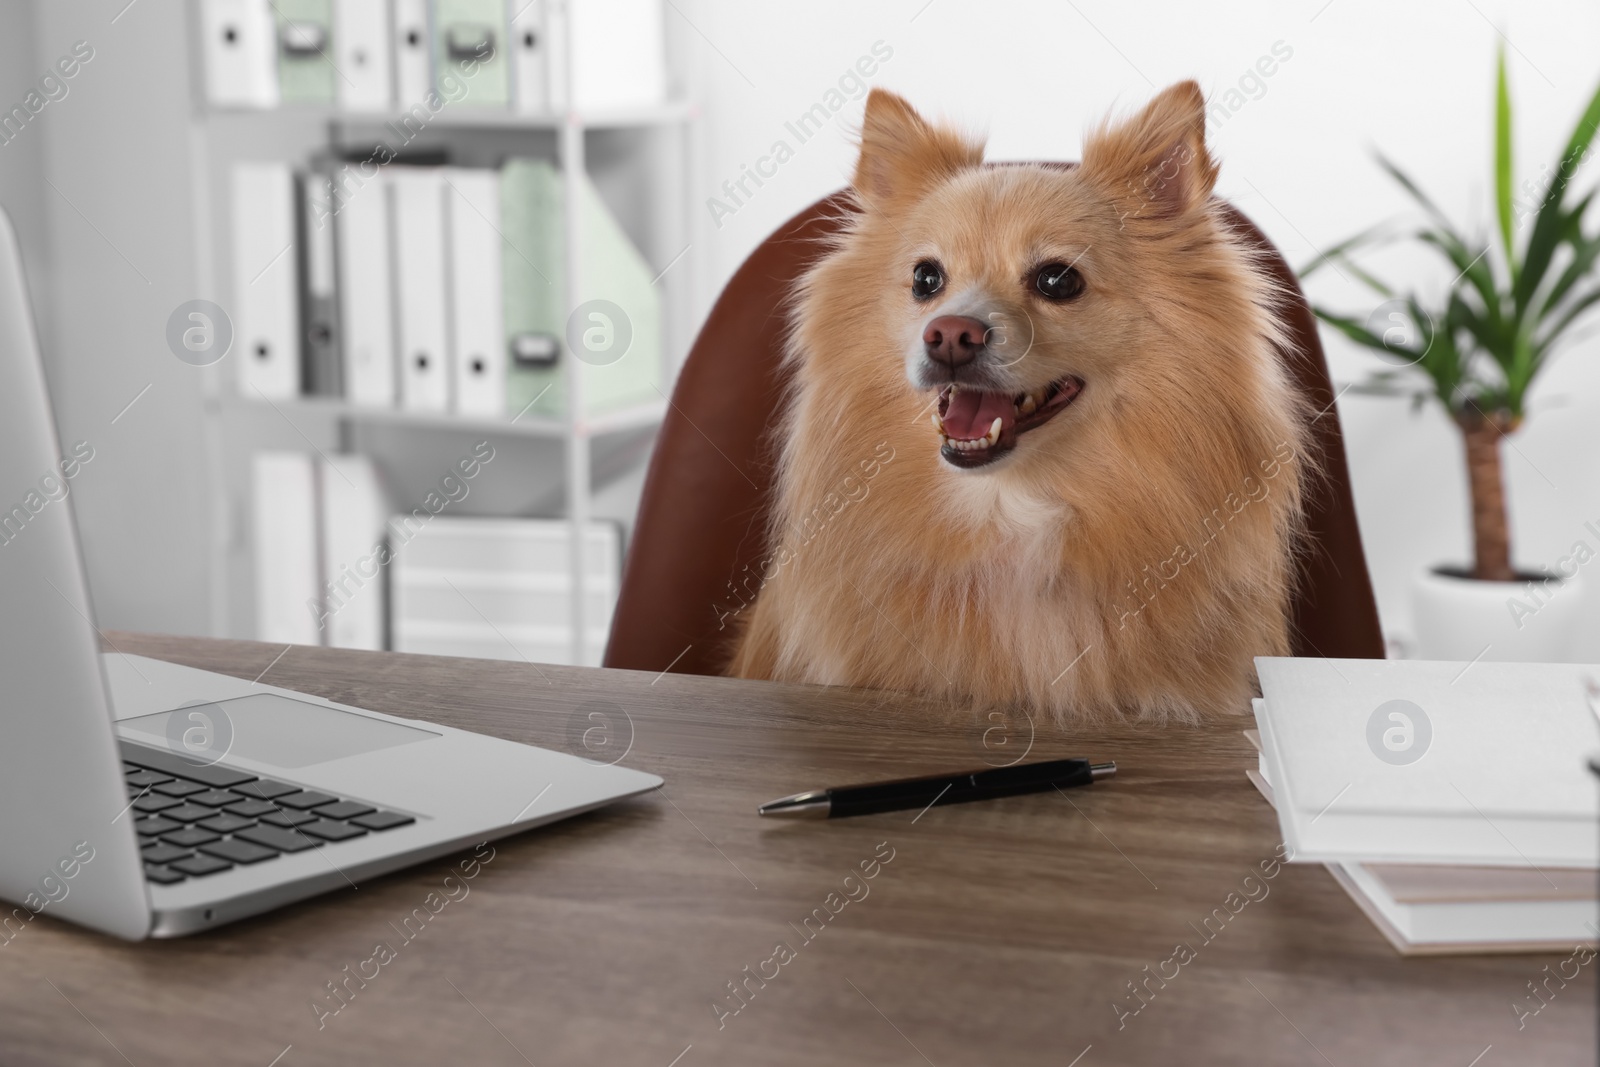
<point>1452,801</point>
<point>318,539</point>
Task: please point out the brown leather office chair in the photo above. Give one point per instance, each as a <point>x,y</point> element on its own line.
<point>703,516</point>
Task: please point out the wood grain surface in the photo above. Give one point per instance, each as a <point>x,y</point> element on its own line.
<point>1005,932</point>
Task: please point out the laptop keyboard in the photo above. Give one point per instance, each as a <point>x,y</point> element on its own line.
<point>198,820</point>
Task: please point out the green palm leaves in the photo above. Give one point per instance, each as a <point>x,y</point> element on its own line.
<point>1507,309</point>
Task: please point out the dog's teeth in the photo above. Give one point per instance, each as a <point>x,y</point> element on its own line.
<point>994,431</point>
<point>1029,405</point>
<point>938,423</point>
<point>943,440</point>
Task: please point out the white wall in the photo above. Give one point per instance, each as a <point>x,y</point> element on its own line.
<point>1414,79</point>
<point>115,156</point>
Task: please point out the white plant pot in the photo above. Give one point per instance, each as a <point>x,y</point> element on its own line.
<point>1529,621</point>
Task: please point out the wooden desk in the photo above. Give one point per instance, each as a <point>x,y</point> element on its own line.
<point>999,933</point>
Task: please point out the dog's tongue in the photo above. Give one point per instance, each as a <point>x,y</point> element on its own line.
<point>972,411</point>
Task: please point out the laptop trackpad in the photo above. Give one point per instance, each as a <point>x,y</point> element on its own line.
<point>267,728</point>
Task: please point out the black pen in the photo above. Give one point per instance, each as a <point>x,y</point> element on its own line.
<point>908,793</point>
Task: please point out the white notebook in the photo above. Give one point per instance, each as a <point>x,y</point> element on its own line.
<point>529,47</point>
<point>240,42</point>
<point>616,54</point>
<point>1440,927</point>
<point>1427,909</point>
<point>284,521</point>
<point>366,313</point>
<point>477,355</point>
<point>265,290</point>
<point>353,514</point>
<point>419,251</point>
<point>413,60</point>
<point>362,38</point>
<point>1416,761</point>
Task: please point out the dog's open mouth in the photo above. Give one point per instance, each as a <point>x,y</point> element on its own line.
<point>978,426</point>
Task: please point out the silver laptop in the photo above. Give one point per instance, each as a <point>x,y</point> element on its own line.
<point>146,799</point>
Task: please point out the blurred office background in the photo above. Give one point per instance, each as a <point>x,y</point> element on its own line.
<point>103,185</point>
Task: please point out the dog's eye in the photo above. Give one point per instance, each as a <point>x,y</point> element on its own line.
<point>927,278</point>
<point>1058,281</point>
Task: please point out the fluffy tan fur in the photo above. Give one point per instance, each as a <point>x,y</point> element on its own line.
<point>1132,554</point>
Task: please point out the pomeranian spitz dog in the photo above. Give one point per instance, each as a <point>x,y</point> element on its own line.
<point>1039,449</point>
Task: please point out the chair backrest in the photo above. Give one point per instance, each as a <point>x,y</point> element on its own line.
<point>703,516</point>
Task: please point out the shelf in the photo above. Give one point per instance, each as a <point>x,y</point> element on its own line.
<point>591,453</point>
<point>638,417</point>
<point>649,115</point>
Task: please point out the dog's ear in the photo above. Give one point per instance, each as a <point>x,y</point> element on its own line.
<point>1155,165</point>
<point>902,155</point>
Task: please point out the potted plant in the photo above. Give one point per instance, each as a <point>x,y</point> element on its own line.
<point>1477,351</point>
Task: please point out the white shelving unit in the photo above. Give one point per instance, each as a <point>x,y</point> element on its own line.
<point>629,418</point>
<point>668,113</point>
<point>293,131</point>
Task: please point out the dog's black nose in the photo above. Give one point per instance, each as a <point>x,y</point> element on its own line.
<point>954,340</point>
